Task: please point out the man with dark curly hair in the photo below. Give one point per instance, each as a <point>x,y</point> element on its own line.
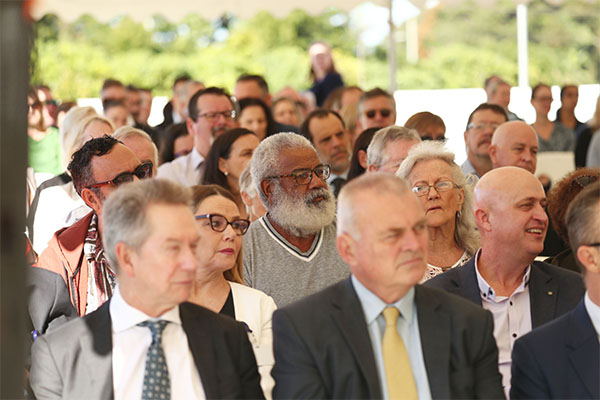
<point>76,252</point>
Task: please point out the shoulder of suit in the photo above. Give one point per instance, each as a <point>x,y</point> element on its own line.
<point>555,270</point>
<point>443,280</point>
<point>449,301</point>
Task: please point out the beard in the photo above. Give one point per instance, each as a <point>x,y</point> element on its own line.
<point>300,215</point>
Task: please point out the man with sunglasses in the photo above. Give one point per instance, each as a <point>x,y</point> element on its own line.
<point>76,252</point>
<point>291,252</point>
<point>211,112</point>
<point>376,109</point>
<point>503,276</point>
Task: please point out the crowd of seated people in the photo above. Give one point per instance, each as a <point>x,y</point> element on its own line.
<point>257,245</point>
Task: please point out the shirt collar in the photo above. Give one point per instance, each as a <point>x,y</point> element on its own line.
<point>373,306</point>
<point>333,176</point>
<point>196,158</point>
<point>593,311</point>
<point>486,291</point>
<point>124,316</point>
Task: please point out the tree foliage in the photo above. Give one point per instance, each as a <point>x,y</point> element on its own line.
<point>459,45</point>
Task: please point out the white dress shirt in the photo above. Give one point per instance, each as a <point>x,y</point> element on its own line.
<point>593,311</point>
<point>131,343</point>
<point>408,328</point>
<point>512,319</point>
<point>186,170</point>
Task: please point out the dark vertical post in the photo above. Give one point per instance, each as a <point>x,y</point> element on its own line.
<point>14,79</point>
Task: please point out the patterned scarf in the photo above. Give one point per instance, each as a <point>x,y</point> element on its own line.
<point>101,278</point>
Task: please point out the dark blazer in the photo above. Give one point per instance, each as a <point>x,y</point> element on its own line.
<point>75,361</point>
<point>553,291</point>
<point>322,347</point>
<point>560,360</point>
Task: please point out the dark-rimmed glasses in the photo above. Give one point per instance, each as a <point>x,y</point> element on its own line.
<point>142,171</point>
<point>438,139</point>
<point>440,186</point>
<point>304,176</point>
<point>211,116</point>
<point>218,223</point>
<point>385,112</point>
<point>482,125</point>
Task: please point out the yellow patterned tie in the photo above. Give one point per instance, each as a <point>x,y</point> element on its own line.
<point>400,380</point>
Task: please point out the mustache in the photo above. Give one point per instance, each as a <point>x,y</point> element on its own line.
<point>313,194</point>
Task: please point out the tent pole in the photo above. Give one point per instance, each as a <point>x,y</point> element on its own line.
<point>392,50</point>
<point>522,46</point>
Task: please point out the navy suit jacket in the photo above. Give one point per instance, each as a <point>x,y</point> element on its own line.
<point>75,360</point>
<point>322,347</point>
<point>553,291</point>
<point>560,360</point>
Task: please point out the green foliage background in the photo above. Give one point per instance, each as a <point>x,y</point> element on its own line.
<point>459,46</point>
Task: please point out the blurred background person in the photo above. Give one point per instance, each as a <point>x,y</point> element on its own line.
<point>249,193</point>
<point>559,197</point>
<point>256,116</point>
<point>498,92</point>
<point>322,72</point>
<point>43,140</point>
<point>553,136</point>
<point>428,125</point>
<point>569,95</point>
<point>584,136</point>
<point>176,142</point>
<point>286,111</point>
<point>228,157</point>
<point>358,161</point>
<point>218,285</point>
<point>145,105</point>
<point>442,189</point>
<point>116,112</point>
<point>140,143</point>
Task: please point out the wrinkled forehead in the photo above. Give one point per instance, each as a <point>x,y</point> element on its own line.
<point>294,158</point>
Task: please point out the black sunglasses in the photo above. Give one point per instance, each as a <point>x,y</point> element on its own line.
<point>385,112</point>
<point>218,223</point>
<point>142,171</point>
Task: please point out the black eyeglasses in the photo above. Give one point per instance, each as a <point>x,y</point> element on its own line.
<point>211,116</point>
<point>592,244</point>
<point>304,176</point>
<point>385,112</point>
<point>218,223</point>
<point>439,139</point>
<point>142,171</point>
<point>440,186</point>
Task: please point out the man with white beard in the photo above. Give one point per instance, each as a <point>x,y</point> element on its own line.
<point>291,251</point>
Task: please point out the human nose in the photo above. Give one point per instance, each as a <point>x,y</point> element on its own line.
<point>189,261</point>
<point>229,233</point>
<point>412,240</point>
<point>432,192</point>
<point>315,181</point>
<point>539,213</point>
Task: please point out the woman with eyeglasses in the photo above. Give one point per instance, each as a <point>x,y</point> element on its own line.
<point>552,136</point>
<point>429,126</point>
<point>559,197</point>
<point>441,187</point>
<point>218,285</point>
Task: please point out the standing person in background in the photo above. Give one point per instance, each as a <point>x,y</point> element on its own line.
<point>553,136</point>
<point>498,92</point>
<point>322,72</point>
<point>569,95</point>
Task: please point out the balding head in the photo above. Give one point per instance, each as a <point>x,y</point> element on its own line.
<point>514,144</point>
<point>509,212</point>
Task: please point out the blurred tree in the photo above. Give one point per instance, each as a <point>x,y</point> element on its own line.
<point>460,45</point>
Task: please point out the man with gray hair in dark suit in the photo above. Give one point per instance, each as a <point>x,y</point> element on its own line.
<point>146,342</point>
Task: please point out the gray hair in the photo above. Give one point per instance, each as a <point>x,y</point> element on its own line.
<point>247,183</point>
<point>378,182</point>
<point>376,149</point>
<point>465,233</point>
<point>125,132</point>
<point>69,131</point>
<point>124,214</point>
<point>582,219</point>
<point>265,160</point>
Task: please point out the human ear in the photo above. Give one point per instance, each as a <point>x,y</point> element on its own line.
<point>346,248</point>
